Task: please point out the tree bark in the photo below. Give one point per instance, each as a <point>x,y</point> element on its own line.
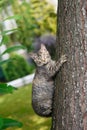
<point>70,98</point>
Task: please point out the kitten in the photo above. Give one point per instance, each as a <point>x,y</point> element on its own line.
<point>43,83</point>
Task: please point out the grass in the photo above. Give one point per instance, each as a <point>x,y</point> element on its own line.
<point>18,106</point>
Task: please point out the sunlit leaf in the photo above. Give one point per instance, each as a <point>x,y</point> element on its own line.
<point>16,17</point>
<point>8,31</point>
<point>13,48</point>
<point>4,40</point>
<point>1,2</point>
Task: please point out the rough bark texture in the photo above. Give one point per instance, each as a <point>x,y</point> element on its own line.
<point>70,99</point>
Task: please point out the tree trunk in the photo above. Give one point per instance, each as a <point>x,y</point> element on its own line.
<point>70,98</point>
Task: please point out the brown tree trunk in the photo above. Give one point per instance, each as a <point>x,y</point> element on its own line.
<point>70,98</point>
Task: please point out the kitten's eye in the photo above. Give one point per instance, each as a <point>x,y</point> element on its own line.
<point>39,54</point>
<point>48,57</point>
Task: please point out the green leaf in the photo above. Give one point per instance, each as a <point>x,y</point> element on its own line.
<point>11,123</point>
<point>13,48</point>
<point>7,122</point>
<point>16,17</point>
<point>5,61</point>
<point>1,2</point>
<point>4,88</point>
<point>8,31</point>
<point>1,123</point>
<point>4,40</point>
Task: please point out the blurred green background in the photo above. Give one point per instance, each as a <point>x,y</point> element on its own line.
<point>18,106</point>
<point>25,22</point>
<point>24,25</point>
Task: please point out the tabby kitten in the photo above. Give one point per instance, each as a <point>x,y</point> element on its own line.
<point>43,83</point>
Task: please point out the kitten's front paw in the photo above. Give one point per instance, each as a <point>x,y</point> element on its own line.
<point>63,58</point>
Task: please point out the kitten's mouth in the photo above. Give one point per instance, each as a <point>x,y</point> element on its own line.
<point>45,63</point>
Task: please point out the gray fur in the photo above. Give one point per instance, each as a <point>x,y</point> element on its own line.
<point>43,83</point>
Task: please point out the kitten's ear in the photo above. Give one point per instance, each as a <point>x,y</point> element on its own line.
<point>43,47</point>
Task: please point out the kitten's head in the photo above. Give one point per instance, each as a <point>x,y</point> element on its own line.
<point>42,57</point>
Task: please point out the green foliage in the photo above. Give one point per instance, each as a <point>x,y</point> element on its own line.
<point>45,16</point>
<point>17,67</point>
<point>26,25</point>
<point>4,61</point>
<point>4,88</point>
<point>13,48</point>
<point>16,17</point>
<point>28,30</point>
<point>38,18</point>
<point>7,122</point>
<point>18,106</point>
<point>5,39</point>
